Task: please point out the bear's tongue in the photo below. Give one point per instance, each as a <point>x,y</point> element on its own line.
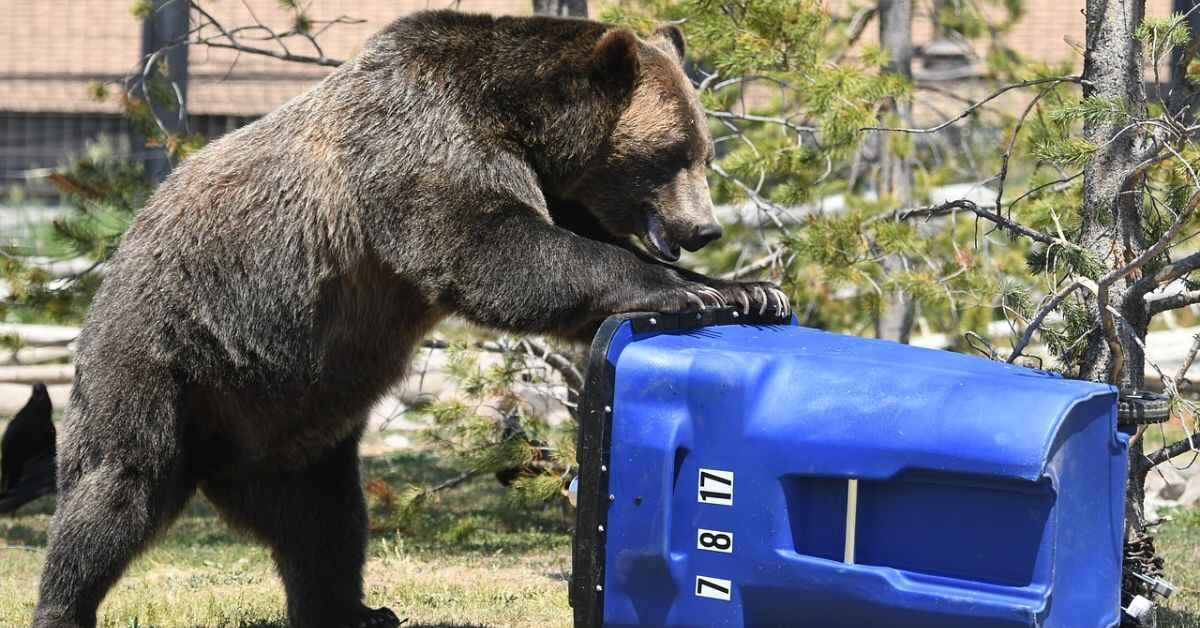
<point>657,235</point>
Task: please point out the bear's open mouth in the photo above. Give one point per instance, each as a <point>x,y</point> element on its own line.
<point>656,241</point>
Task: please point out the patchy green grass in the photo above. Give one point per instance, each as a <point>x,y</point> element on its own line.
<point>477,559</point>
<point>1179,543</point>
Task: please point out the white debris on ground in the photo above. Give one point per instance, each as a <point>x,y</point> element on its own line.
<point>1174,485</point>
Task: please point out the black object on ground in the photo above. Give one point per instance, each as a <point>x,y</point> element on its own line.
<point>27,453</point>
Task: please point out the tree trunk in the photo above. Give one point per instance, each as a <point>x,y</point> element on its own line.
<point>1112,223</point>
<point>1179,90</point>
<point>561,8</point>
<point>897,310</point>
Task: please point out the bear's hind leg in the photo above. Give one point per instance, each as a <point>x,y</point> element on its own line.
<point>121,480</point>
<point>315,521</point>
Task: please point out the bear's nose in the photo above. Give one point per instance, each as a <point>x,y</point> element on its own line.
<point>703,235</point>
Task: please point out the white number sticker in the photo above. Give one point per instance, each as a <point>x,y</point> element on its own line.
<point>715,487</point>
<point>714,541</point>
<point>714,588</point>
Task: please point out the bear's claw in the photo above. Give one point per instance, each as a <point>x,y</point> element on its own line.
<point>715,294</point>
<point>744,300</point>
<point>377,618</point>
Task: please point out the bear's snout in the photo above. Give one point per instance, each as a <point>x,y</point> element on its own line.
<point>701,236</point>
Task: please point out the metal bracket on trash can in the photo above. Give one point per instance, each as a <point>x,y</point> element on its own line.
<point>594,440</point>
<point>1141,407</point>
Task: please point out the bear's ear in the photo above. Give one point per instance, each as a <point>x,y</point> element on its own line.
<point>669,38</point>
<point>615,56</point>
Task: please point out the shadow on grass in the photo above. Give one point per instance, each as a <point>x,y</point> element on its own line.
<point>477,516</point>
<point>276,624</point>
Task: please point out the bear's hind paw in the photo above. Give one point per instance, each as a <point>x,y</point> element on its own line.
<point>375,618</point>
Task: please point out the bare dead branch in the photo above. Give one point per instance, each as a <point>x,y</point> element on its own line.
<point>1140,288</point>
<point>231,41</point>
<point>950,207</point>
<point>729,115</point>
<point>858,25</point>
<point>1039,318</point>
<point>454,481</point>
<point>557,361</point>
<point>1057,184</point>
<point>1166,274</point>
<point>332,63</point>
<point>755,266</point>
<point>969,110</point>
<point>1002,177</point>
<point>1192,443</point>
<point>772,210</point>
<point>1172,302</point>
<point>1187,361</point>
<point>560,363</point>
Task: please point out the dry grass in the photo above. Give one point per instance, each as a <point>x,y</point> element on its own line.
<point>478,560</point>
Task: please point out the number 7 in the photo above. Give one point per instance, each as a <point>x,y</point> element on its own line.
<point>717,588</point>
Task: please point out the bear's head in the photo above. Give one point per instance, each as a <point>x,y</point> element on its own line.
<point>648,179</point>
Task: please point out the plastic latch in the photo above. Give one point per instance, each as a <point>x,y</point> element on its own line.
<point>1141,610</point>
<point>1158,586</point>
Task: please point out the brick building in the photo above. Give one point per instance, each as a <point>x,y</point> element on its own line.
<point>50,51</point>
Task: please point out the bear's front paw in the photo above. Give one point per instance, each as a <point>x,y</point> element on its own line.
<point>688,297</point>
<point>759,297</point>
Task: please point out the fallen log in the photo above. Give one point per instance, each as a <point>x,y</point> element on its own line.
<point>40,335</point>
<point>34,373</point>
<point>36,355</point>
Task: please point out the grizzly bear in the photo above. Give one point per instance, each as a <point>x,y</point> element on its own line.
<point>495,169</point>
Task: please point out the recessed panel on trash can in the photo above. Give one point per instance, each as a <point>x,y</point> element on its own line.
<point>764,474</point>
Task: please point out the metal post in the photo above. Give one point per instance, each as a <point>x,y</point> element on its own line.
<point>164,32</point>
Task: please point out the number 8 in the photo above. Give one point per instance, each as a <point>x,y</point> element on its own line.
<point>714,540</point>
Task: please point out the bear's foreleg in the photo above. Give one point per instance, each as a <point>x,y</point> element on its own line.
<point>524,274</point>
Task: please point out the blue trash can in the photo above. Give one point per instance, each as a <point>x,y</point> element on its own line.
<point>737,473</point>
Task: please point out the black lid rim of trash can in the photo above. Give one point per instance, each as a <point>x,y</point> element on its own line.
<point>1142,407</point>
<point>586,592</point>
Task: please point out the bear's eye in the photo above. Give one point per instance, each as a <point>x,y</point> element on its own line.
<point>677,155</point>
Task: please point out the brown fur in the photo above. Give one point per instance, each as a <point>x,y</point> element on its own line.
<point>274,286</point>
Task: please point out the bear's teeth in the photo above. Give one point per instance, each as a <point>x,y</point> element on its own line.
<point>658,237</point>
